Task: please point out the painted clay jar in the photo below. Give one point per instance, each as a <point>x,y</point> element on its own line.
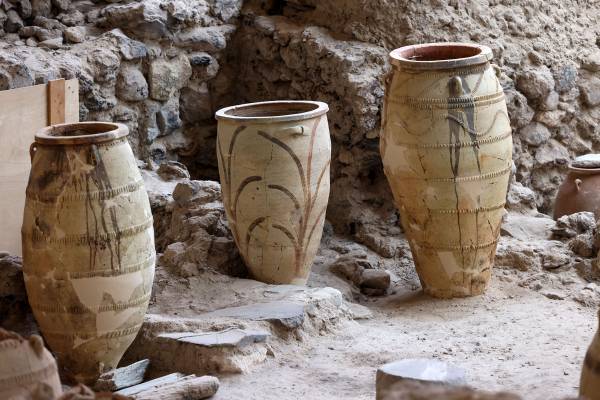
<point>446,147</point>
<point>580,191</point>
<point>589,385</point>
<point>26,368</point>
<point>88,245</point>
<point>274,166</point>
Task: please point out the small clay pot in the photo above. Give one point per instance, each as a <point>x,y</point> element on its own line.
<point>580,191</point>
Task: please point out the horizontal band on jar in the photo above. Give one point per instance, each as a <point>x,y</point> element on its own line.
<point>451,247</point>
<point>471,70</point>
<point>61,309</point>
<point>29,378</point>
<point>449,103</point>
<point>86,239</point>
<point>84,196</point>
<point>94,335</point>
<point>105,273</point>
<point>473,143</point>
<point>489,175</point>
<point>455,211</point>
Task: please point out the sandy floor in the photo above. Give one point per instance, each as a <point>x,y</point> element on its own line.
<point>511,338</point>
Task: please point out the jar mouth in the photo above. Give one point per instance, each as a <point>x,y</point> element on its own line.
<point>81,133</point>
<point>584,171</point>
<point>273,111</point>
<point>440,55</point>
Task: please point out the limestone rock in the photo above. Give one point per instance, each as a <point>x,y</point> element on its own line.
<point>519,111</point>
<point>411,390</point>
<point>520,199</point>
<point>535,134</point>
<point>75,34</point>
<point>41,7</point>
<point>145,20</point>
<point>527,228</point>
<point>13,23</point>
<point>204,38</point>
<point>569,226</point>
<point>175,170</point>
<point>590,91</point>
<point>536,83</point>
<point>168,76</point>
<point>592,62</point>
<point>131,84</point>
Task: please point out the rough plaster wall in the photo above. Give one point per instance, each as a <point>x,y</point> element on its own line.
<point>172,63</point>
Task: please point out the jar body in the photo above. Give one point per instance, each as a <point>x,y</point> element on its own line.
<point>446,147</point>
<point>88,250</point>
<point>580,191</point>
<point>275,180</point>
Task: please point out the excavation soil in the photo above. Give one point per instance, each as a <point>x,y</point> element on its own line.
<point>511,339</point>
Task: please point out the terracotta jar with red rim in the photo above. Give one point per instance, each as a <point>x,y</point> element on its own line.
<point>580,191</point>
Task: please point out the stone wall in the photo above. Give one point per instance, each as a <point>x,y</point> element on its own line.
<point>164,66</point>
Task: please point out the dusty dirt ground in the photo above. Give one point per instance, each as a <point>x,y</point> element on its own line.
<point>511,338</point>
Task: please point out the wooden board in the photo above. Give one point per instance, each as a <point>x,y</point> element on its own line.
<point>23,112</point>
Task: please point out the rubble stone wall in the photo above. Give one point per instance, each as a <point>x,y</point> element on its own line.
<point>163,67</point>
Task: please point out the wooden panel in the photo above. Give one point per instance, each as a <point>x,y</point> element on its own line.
<point>56,102</point>
<point>22,113</point>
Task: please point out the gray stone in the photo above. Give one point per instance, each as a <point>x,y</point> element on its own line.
<point>201,38</point>
<point>130,49</point>
<point>169,170</point>
<point>75,34</point>
<point>377,279</point>
<point>41,7</point>
<point>286,313</point>
<point>121,378</point>
<point>196,104</point>
<point>72,18</point>
<point>565,78</point>
<point>62,5</point>
<point>24,7</point>
<point>519,111</point>
<point>167,117</point>
<point>591,62</point>
<point>151,384</point>
<point>144,20</point>
<point>11,276</point>
<point>587,161</point>
<point>226,338</point>
<point>424,369</point>
<point>552,153</point>
<point>13,23</point>
<point>527,228</point>
<point>550,102</point>
<point>569,226</point>
<point>51,43</point>
<point>205,67</point>
<point>168,76</point>
<point>131,84</point>
<point>48,23</point>
<point>590,91</point>
<point>535,134</point>
<point>536,83</point>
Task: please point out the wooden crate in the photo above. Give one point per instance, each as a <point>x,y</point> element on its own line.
<point>22,113</point>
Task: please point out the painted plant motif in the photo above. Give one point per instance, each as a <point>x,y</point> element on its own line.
<point>306,215</point>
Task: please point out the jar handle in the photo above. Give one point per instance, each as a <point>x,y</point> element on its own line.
<point>578,183</point>
<point>456,86</point>
<point>32,150</point>
<point>294,130</point>
<point>497,70</point>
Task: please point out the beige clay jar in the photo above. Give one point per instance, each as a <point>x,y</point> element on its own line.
<point>88,245</point>
<point>274,166</point>
<point>26,368</point>
<point>446,147</point>
<point>580,191</point>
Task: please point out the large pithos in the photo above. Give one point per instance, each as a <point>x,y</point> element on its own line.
<point>88,245</point>
<point>446,148</point>
<point>274,166</point>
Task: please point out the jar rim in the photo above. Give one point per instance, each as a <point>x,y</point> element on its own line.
<point>79,133</point>
<point>444,55</point>
<point>273,111</point>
